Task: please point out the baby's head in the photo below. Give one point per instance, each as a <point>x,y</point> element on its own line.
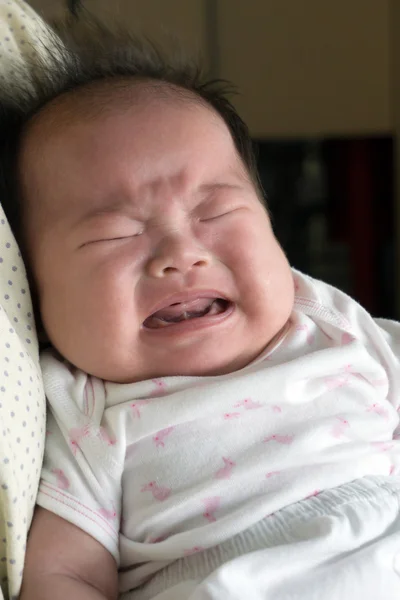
<point>137,206</point>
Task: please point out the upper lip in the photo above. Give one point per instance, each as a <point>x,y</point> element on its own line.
<point>186,297</point>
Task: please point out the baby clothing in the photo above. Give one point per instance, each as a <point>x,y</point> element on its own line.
<point>342,544</point>
<point>162,470</point>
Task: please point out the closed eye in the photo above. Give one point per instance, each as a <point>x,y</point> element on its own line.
<point>213,218</point>
<point>218,215</point>
<point>111,239</point>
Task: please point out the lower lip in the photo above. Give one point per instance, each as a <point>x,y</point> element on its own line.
<point>192,325</point>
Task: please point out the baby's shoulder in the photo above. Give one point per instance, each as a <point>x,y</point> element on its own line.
<point>322,301</point>
<point>332,308</point>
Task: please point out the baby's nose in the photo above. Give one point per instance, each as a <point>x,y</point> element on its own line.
<point>177,255</point>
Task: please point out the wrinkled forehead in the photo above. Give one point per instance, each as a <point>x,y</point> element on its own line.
<point>56,132</point>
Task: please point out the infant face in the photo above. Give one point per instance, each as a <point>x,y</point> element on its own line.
<point>151,251</point>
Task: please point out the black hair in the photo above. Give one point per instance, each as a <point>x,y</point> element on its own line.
<point>82,54</point>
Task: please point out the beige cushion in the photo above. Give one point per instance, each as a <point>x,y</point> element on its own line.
<point>22,403</point>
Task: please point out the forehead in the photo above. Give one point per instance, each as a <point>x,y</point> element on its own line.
<point>99,102</point>
<point>82,151</point>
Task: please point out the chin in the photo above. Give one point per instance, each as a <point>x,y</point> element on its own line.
<point>208,366</point>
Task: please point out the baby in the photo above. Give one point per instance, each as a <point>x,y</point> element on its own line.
<point>219,425</point>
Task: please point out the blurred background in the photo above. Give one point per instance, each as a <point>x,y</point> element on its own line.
<point>319,87</point>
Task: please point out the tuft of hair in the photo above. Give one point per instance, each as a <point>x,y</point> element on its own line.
<point>81,53</point>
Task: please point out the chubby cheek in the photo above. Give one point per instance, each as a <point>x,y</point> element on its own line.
<point>279,287</point>
<point>252,252</point>
<point>263,276</point>
<point>88,307</point>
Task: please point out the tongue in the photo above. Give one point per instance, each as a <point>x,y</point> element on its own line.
<point>173,311</point>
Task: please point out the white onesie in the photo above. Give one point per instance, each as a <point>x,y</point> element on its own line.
<point>163,469</point>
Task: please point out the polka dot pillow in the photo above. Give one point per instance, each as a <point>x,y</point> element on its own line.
<point>22,403</point>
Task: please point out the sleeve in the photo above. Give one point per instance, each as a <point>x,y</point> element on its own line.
<point>83,462</point>
<point>379,337</point>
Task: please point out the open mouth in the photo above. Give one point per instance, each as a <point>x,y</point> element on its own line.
<point>186,311</point>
